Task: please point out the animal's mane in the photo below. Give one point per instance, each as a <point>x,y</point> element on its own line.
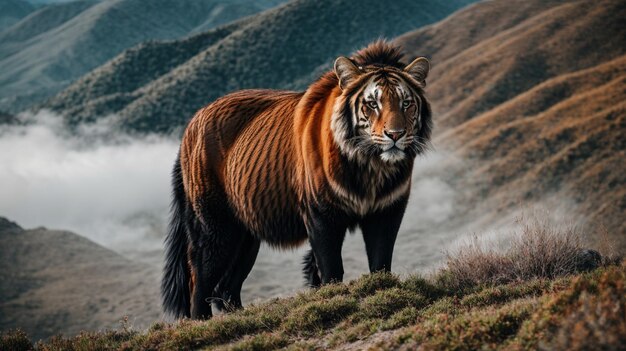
<point>378,53</point>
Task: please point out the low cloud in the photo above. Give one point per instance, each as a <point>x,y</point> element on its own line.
<point>108,186</point>
<point>114,189</point>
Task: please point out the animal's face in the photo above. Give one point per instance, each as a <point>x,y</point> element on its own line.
<point>388,115</point>
<point>387,112</point>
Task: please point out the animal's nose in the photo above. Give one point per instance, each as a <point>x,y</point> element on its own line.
<point>395,134</point>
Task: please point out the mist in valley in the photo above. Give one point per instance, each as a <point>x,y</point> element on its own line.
<point>114,189</point>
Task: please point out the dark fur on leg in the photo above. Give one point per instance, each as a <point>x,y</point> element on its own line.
<point>311,273</point>
<point>380,230</point>
<point>215,241</point>
<point>228,291</point>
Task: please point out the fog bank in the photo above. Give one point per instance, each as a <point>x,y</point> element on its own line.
<point>110,187</point>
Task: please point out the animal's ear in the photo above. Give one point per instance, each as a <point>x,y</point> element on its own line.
<point>418,69</point>
<point>346,71</point>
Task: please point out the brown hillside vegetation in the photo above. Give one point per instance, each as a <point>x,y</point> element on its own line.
<point>575,146</point>
<point>489,64</point>
<point>536,101</point>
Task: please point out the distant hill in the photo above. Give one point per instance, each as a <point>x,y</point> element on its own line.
<point>285,47</point>
<point>44,2</point>
<point>11,11</point>
<point>58,281</point>
<point>516,51</point>
<point>53,46</point>
<point>536,101</point>
<point>564,139</point>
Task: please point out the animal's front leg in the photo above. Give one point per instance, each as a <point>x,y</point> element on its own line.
<point>326,234</point>
<point>380,230</point>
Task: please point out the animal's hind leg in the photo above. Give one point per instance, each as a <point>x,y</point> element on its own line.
<point>229,288</point>
<point>215,241</point>
<point>310,270</point>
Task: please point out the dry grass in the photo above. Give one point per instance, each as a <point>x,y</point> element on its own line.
<point>538,250</point>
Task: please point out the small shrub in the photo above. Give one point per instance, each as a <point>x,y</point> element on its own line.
<point>402,318</point>
<point>596,321</point>
<point>589,314</point>
<point>260,342</point>
<point>370,283</point>
<point>15,340</point>
<point>332,290</point>
<point>319,314</point>
<point>424,287</point>
<point>504,293</point>
<point>539,250</point>
<point>384,303</point>
<point>446,305</point>
<point>481,329</point>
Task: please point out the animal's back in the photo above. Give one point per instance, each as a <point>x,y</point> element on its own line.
<point>242,147</point>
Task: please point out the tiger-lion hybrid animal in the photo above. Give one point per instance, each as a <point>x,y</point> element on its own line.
<point>286,167</point>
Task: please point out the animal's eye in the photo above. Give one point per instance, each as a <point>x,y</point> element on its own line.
<point>406,103</point>
<point>372,104</point>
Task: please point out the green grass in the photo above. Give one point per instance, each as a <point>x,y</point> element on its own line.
<point>579,311</point>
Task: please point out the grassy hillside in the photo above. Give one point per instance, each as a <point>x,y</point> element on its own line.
<point>57,44</point>
<point>563,138</point>
<point>115,84</point>
<point>277,49</point>
<point>545,291</point>
<point>11,11</point>
<point>37,23</point>
<point>535,103</point>
<point>477,67</point>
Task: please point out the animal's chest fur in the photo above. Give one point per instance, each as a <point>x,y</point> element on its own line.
<point>369,188</point>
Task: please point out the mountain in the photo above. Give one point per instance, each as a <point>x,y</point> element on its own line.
<point>11,11</point>
<point>58,281</point>
<point>573,148</point>
<point>46,2</point>
<point>497,62</point>
<point>535,102</point>
<point>285,47</point>
<point>53,46</point>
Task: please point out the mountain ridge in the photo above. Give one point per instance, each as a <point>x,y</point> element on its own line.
<point>248,58</point>
<point>536,121</point>
<point>12,11</point>
<point>61,42</point>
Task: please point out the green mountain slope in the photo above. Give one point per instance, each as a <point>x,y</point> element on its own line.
<point>11,11</point>
<point>277,49</point>
<point>59,43</point>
